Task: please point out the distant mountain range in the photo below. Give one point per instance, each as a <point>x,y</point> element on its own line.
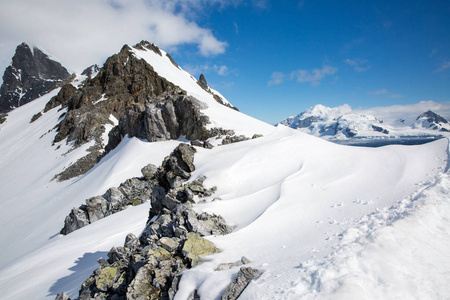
<point>340,123</point>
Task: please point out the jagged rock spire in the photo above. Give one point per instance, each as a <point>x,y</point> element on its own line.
<point>31,74</point>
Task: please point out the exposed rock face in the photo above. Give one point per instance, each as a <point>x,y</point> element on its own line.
<point>30,75</point>
<point>146,105</point>
<point>433,121</point>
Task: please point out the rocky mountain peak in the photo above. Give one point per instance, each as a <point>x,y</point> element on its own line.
<point>433,121</point>
<point>128,88</point>
<point>31,74</point>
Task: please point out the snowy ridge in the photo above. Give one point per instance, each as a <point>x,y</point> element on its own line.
<point>317,217</point>
<point>220,116</point>
<point>341,123</point>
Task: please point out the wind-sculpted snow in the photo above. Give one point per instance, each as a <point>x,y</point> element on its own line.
<point>305,212</point>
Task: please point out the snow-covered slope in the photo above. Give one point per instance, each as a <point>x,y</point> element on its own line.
<point>303,207</point>
<point>341,123</point>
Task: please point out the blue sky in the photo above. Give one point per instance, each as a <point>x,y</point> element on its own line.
<point>271,59</point>
<point>290,55</point>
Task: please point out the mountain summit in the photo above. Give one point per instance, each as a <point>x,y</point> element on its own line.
<point>31,74</point>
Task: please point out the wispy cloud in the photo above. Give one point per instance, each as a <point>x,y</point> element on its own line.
<point>385,92</point>
<point>443,67</point>
<point>314,76</point>
<point>60,27</point>
<point>196,70</point>
<point>276,78</point>
<point>378,92</point>
<point>359,65</point>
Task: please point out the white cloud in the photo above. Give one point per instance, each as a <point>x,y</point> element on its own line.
<point>276,78</point>
<point>359,65</point>
<point>84,32</point>
<point>444,66</point>
<point>314,76</point>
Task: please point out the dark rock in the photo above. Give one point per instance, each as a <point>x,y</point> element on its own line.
<point>432,117</point>
<point>77,218</point>
<point>380,129</point>
<point>3,118</point>
<point>245,276</point>
<point>91,71</point>
<point>80,167</point>
<point>234,139</point>
<point>30,75</point>
<point>202,82</point>
<point>35,117</point>
<point>62,98</point>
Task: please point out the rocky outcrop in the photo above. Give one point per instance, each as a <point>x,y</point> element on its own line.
<point>126,87</point>
<point>150,267</point>
<point>31,74</point>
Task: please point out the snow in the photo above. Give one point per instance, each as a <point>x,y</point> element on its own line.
<point>289,211</point>
<point>324,221</point>
<point>380,122</point>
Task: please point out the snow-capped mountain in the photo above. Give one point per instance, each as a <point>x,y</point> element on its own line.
<point>31,74</point>
<point>218,204</point>
<point>340,123</point>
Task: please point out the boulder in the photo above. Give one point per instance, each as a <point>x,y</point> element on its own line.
<point>141,287</point>
<point>235,288</point>
<point>106,278</point>
<point>149,171</point>
<point>195,247</point>
<point>77,218</point>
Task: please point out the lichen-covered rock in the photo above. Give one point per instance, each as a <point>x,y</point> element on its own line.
<point>195,247</point>
<point>106,278</point>
<point>235,288</point>
<point>141,287</point>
